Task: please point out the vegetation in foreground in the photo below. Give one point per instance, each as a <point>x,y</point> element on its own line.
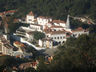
<point>76,55</point>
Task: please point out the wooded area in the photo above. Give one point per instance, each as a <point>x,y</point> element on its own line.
<point>54,8</point>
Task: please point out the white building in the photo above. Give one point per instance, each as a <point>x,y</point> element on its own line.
<point>36,27</point>
<point>30,18</point>
<point>79,31</point>
<point>57,36</point>
<point>57,28</point>
<point>43,20</point>
<point>59,23</point>
<point>49,24</point>
<point>5,47</point>
<point>46,43</point>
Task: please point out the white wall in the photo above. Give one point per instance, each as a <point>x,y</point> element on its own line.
<point>63,24</point>
<point>29,19</point>
<point>58,37</point>
<point>78,33</point>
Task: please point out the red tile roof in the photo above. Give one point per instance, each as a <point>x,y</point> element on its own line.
<point>78,29</point>
<point>56,26</point>
<point>10,11</point>
<point>58,21</point>
<point>18,43</point>
<point>57,32</point>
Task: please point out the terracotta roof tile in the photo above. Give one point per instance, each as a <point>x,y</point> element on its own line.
<point>57,32</point>
<point>78,29</point>
<point>58,21</point>
<point>56,26</point>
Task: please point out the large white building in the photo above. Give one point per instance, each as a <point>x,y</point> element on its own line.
<point>56,31</point>
<point>57,36</point>
<point>43,20</point>
<point>30,18</point>
<point>59,23</point>
<point>57,28</point>
<point>36,27</point>
<point>79,31</point>
<point>5,47</point>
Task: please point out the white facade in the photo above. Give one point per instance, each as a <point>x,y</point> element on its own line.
<point>57,36</point>
<point>79,31</point>
<point>56,28</point>
<point>30,18</point>
<point>49,24</point>
<point>43,20</point>
<point>60,38</point>
<point>36,27</point>
<point>5,47</point>
<point>63,24</point>
<point>46,43</point>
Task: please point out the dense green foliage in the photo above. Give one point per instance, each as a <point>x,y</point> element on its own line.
<point>33,51</point>
<point>30,70</point>
<point>55,8</point>
<point>77,55</point>
<point>75,24</point>
<point>38,35</point>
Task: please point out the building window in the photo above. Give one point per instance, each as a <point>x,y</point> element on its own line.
<point>54,37</point>
<point>63,41</point>
<point>60,37</point>
<point>47,35</point>
<point>30,19</point>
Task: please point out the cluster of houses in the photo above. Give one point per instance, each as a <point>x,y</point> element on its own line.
<point>17,49</point>
<point>56,31</point>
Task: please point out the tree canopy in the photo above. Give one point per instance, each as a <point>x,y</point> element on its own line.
<point>38,35</point>
<point>55,8</point>
<point>76,55</point>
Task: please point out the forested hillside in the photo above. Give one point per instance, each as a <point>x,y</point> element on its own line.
<point>54,8</point>
<point>76,55</point>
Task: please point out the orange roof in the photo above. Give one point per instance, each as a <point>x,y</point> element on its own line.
<point>58,21</point>
<point>57,32</point>
<point>1,13</point>
<point>78,29</point>
<point>31,13</point>
<point>10,11</point>
<point>56,26</point>
<point>18,43</point>
<point>22,45</point>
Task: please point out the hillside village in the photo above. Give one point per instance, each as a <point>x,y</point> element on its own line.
<point>47,35</point>
<point>56,33</point>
